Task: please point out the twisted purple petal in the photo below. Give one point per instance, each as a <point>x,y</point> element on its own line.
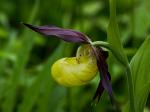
<point>101,57</point>
<point>64,34</point>
<point>99,91</point>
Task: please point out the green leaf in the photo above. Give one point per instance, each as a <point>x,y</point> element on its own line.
<point>141,76</point>
<point>113,36</point>
<point>117,49</point>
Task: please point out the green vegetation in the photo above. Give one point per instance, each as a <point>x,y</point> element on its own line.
<point>26,84</point>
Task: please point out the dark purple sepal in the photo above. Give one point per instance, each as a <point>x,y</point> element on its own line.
<point>64,34</point>
<point>98,92</point>
<point>104,84</point>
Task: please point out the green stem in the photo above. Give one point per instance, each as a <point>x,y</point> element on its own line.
<point>131,88</point>
<point>112,9</point>
<point>132,17</point>
<point>129,74</point>
<point>101,43</point>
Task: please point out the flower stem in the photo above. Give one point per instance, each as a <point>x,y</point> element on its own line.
<point>128,70</point>
<point>131,88</point>
<point>101,43</point>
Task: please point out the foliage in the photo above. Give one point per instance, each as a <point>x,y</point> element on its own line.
<point>26,84</point>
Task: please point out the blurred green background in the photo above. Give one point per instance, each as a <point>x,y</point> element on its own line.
<point>26,84</point>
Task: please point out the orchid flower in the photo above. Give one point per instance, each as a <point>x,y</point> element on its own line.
<point>84,66</point>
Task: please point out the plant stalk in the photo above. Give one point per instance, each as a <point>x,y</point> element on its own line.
<point>101,44</point>
<point>131,88</point>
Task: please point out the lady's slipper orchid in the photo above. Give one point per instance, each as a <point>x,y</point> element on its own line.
<point>81,69</point>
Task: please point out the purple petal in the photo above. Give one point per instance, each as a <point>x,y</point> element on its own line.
<point>99,91</point>
<point>64,34</point>
<point>101,57</point>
